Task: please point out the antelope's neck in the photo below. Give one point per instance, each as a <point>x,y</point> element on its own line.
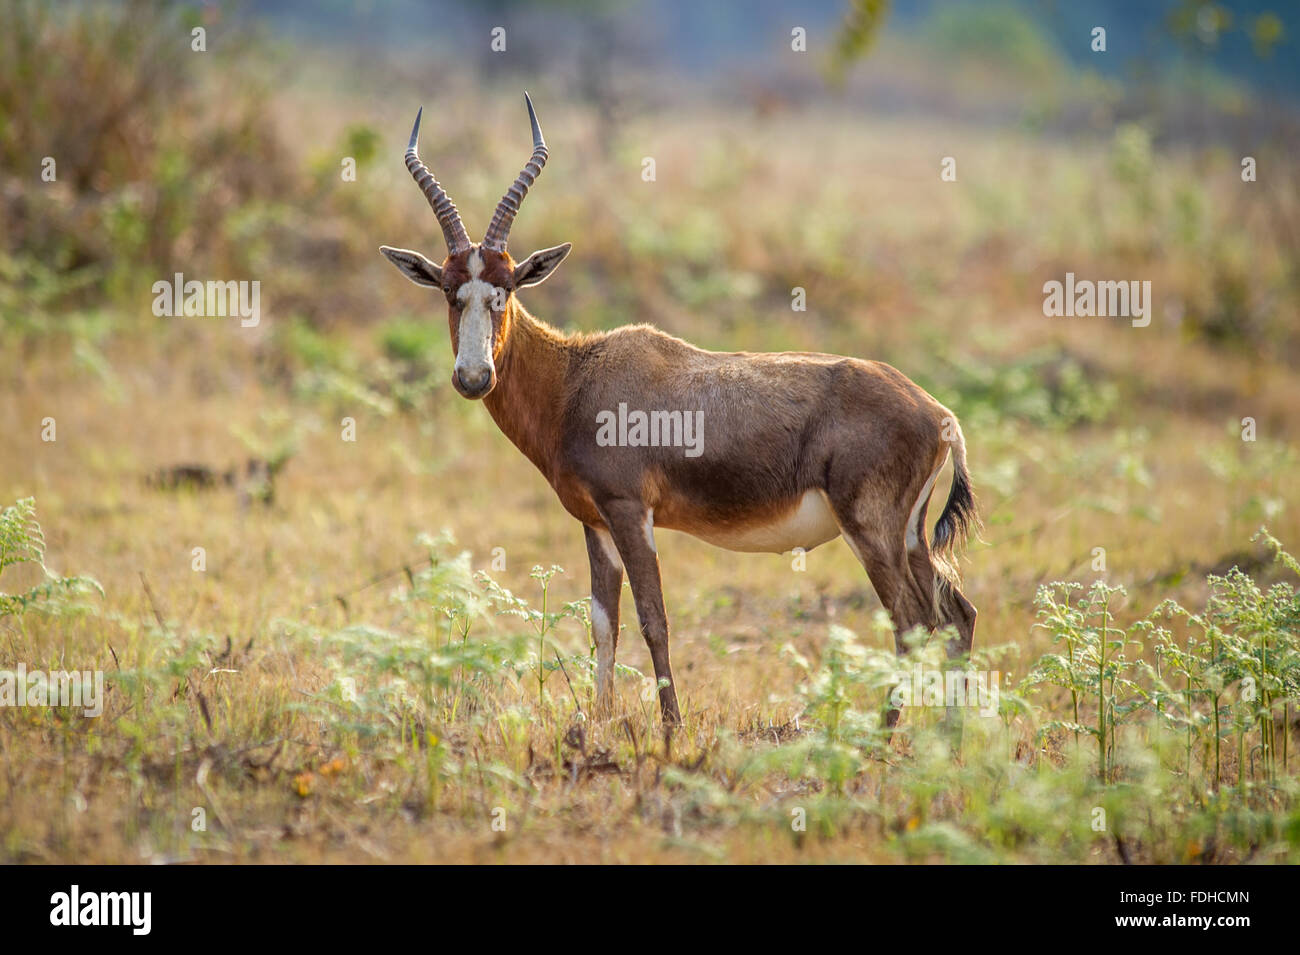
<point>528,401</point>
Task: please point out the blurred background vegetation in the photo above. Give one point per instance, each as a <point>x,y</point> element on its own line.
<point>227,162</point>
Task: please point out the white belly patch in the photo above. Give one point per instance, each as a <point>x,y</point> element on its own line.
<point>807,526</point>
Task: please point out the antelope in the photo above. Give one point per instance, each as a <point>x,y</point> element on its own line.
<point>797,448</point>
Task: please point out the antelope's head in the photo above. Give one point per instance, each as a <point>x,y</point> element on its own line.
<point>479,280</point>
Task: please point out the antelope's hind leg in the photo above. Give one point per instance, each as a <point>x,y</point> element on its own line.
<point>884,557</point>
<point>937,580</point>
<point>937,577</point>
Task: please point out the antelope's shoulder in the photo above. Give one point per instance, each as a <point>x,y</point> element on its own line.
<point>629,341</point>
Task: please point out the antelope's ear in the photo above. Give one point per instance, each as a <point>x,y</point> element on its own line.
<point>534,269</point>
<point>414,266</point>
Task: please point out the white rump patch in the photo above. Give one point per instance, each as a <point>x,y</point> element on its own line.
<point>913,540</point>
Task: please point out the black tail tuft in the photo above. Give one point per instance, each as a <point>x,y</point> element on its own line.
<point>959,515</point>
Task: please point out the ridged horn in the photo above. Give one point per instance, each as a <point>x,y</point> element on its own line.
<point>499,228</point>
<point>448,216</point>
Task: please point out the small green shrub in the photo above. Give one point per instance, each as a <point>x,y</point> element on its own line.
<point>22,542</point>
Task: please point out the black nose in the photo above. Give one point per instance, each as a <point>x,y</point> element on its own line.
<point>474,381</point>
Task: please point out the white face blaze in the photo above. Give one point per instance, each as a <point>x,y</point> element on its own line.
<point>474,345</point>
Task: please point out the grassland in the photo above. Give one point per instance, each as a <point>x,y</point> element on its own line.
<point>340,683</point>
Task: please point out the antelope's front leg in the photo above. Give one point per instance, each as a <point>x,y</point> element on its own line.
<point>606,589</point>
<point>631,525</point>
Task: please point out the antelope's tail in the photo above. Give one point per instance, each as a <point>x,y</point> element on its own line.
<point>959,517</point>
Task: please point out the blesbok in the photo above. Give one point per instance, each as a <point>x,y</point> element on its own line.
<point>750,452</point>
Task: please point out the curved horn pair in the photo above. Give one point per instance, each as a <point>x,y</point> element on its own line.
<point>504,216</point>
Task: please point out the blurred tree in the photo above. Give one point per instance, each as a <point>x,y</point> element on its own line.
<point>1200,28</point>
<point>1200,24</point>
<point>862,24</point>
